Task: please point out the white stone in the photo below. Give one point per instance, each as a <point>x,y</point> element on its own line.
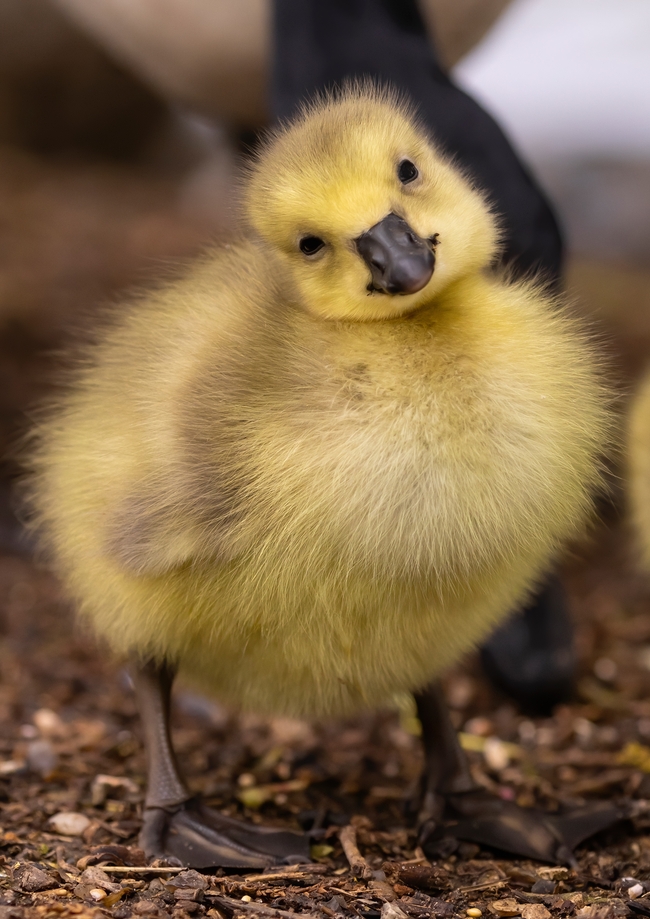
<point>69,823</point>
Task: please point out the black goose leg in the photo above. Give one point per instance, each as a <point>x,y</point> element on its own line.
<point>179,827</point>
<point>452,804</point>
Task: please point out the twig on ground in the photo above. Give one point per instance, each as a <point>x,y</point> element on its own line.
<point>360,867</point>
<point>492,885</point>
<point>295,871</point>
<point>145,869</point>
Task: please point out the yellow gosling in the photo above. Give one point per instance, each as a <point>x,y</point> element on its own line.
<point>322,464</point>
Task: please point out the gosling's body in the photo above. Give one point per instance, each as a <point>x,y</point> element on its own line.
<point>320,466</point>
<point>308,514</point>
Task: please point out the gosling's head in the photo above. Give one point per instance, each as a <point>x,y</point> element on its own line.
<point>371,221</point>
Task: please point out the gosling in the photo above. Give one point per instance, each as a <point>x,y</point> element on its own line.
<point>324,463</point>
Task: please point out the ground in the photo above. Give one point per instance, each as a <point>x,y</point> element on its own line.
<point>73,235</point>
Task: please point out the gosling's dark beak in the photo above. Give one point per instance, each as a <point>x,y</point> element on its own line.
<point>400,261</point>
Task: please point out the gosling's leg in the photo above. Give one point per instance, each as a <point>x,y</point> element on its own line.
<point>451,803</point>
<point>178,826</point>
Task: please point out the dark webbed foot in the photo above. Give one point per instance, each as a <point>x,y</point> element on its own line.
<point>479,817</point>
<point>451,805</point>
<point>179,827</point>
<point>199,837</point>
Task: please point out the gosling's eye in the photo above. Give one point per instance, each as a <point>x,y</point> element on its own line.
<point>310,245</point>
<point>407,171</point>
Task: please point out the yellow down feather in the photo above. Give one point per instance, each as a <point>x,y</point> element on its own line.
<point>307,496</point>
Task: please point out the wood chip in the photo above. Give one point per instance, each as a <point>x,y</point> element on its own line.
<point>506,907</point>
<point>535,911</point>
<point>133,870</point>
<point>392,911</point>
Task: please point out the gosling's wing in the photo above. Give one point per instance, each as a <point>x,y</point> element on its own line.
<point>201,349</point>
<point>147,536</point>
<point>155,530</point>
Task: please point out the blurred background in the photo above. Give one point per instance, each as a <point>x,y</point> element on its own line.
<point>569,80</point>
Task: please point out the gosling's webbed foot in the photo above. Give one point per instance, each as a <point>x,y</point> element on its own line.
<point>478,817</point>
<point>198,837</point>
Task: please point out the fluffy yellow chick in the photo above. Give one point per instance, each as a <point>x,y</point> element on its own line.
<point>323,463</point>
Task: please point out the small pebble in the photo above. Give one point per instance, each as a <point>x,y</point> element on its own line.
<point>191,879</point>
<point>322,850</point>
<point>545,736</point>
<point>479,725</point>
<point>635,891</point>
<point>527,732</point>
<point>583,729</point>
<point>605,669</point>
<point>496,754</point>
<point>474,912</point>
<point>41,757</point>
<point>11,766</point>
<point>98,894</point>
<point>33,879</point>
<point>460,692</point>
<point>69,823</point>
<point>246,898</point>
<point>30,732</point>
<point>254,797</point>
<point>48,723</point>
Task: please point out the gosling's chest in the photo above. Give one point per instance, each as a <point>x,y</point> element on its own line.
<point>369,463</point>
